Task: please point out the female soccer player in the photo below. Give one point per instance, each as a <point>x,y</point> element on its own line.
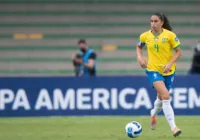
<point>161,67</point>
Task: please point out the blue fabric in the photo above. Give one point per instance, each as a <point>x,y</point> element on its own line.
<point>141,44</point>
<point>84,70</point>
<point>127,88</point>
<point>154,76</point>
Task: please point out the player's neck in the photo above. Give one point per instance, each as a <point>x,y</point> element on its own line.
<point>157,32</point>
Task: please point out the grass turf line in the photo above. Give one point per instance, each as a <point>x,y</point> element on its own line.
<point>93,128</point>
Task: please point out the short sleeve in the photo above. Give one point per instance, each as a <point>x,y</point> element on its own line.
<point>93,56</point>
<point>174,41</point>
<point>142,40</point>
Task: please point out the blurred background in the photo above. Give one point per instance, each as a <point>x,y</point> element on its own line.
<point>39,37</point>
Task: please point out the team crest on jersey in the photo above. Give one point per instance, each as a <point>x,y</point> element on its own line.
<point>176,39</point>
<point>164,40</point>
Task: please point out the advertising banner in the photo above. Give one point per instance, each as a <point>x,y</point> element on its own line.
<point>122,95</point>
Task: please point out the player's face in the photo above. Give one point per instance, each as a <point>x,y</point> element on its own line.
<point>156,23</point>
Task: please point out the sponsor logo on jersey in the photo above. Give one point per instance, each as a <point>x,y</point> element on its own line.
<point>156,39</point>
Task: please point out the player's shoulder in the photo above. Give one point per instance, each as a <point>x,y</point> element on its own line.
<point>171,35</point>
<point>145,33</point>
<point>168,32</point>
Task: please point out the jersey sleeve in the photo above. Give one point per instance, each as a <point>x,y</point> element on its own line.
<point>142,40</point>
<point>93,56</point>
<point>174,41</point>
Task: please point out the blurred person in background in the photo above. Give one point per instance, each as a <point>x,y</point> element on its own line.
<point>84,62</point>
<point>195,67</point>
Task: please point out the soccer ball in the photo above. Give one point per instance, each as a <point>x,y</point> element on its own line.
<point>133,129</point>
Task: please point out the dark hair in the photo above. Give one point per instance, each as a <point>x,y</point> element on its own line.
<point>82,41</point>
<point>163,17</point>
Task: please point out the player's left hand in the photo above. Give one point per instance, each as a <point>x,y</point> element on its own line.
<point>167,68</point>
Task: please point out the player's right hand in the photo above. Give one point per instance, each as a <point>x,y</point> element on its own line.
<point>143,63</point>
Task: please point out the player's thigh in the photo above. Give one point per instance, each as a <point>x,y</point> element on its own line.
<point>169,81</point>
<point>154,76</point>
<point>161,89</point>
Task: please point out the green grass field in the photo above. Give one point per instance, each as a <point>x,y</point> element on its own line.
<point>92,128</point>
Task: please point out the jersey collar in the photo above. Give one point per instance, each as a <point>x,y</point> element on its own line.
<point>156,35</point>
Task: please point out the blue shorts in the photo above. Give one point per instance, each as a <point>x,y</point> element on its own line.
<point>154,76</point>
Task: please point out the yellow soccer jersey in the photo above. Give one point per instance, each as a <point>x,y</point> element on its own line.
<point>160,49</point>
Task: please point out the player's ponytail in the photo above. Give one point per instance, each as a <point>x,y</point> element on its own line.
<point>166,24</point>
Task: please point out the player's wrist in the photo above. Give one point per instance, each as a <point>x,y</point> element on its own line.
<point>172,62</point>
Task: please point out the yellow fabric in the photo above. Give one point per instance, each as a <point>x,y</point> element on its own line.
<point>160,49</point>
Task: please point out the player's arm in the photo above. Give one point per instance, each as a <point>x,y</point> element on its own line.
<point>140,45</point>
<point>178,53</point>
<point>91,61</point>
<point>175,43</point>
